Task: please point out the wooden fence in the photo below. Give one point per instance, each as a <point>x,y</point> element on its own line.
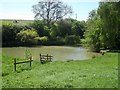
<point>45,58</point>
<point>28,61</point>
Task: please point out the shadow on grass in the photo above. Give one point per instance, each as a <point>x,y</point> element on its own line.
<point>5,74</point>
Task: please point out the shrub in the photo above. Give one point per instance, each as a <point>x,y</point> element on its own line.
<point>9,32</point>
<point>40,27</point>
<point>28,37</point>
<point>57,41</point>
<point>72,39</point>
<point>44,40</point>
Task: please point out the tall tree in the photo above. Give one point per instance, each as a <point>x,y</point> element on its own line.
<point>93,32</point>
<point>78,28</point>
<point>110,16</point>
<point>51,11</point>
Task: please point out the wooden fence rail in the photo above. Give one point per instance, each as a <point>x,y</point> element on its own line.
<point>45,58</point>
<point>15,63</point>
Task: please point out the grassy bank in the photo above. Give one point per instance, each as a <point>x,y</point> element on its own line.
<point>101,72</point>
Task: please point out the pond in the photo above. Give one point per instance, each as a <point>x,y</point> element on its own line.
<point>61,53</point>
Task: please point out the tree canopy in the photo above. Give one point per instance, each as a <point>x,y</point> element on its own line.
<point>51,11</point>
<point>103,29</point>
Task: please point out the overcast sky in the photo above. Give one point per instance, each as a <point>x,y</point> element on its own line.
<point>22,9</point>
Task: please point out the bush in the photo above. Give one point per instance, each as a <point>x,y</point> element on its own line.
<point>28,37</point>
<point>40,27</point>
<point>72,39</point>
<point>44,40</point>
<point>9,32</point>
<point>57,41</point>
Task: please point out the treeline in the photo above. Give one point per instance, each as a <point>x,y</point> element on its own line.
<point>103,27</point>
<point>63,32</point>
<point>100,31</point>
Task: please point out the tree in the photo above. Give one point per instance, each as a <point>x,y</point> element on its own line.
<point>65,27</point>
<point>51,11</point>
<point>40,27</point>
<point>103,29</point>
<point>110,16</point>
<point>54,30</point>
<point>92,15</point>
<point>93,32</point>
<point>78,28</point>
<point>9,31</point>
<point>72,39</point>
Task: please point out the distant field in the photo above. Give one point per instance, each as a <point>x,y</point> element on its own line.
<point>21,22</point>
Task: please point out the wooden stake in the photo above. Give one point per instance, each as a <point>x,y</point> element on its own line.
<point>15,64</point>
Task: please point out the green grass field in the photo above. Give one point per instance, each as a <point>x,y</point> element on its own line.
<point>20,22</point>
<point>101,72</point>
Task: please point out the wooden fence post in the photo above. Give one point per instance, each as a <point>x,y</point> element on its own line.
<point>41,59</point>
<point>30,61</point>
<point>47,57</point>
<point>15,64</point>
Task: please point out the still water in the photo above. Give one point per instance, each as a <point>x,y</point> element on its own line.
<point>61,53</point>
